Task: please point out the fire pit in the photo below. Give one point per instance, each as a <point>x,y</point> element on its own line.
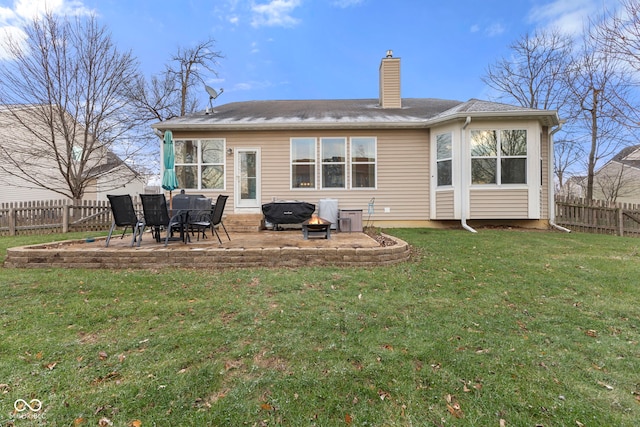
<point>316,227</point>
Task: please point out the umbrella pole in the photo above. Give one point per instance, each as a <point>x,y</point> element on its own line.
<point>170,201</point>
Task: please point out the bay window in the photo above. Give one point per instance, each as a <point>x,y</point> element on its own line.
<point>498,156</point>
<point>444,156</point>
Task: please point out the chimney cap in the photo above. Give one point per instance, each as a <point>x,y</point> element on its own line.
<point>389,53</point>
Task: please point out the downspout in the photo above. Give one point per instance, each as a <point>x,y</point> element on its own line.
<point>551,190</point>
<point>464,187</point>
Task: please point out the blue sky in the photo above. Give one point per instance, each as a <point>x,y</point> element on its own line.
<point>324,49</point>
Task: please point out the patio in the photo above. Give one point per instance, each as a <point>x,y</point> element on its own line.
<point>249,249</point>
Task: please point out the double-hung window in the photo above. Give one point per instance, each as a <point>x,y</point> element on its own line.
<point>499,156</point>
<point>363,162</point>
<point>303,163</point>
<point>200,164</point>
<point>444,157</point>
<point>333,156</point>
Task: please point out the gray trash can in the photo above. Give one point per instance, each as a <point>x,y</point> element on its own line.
<point>328,209</point>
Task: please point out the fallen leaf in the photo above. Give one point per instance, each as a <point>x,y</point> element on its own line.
<point>266,407</point>
<point>103,355</point>
<point>135,423</point>
<point>592,333</point>
<point>607,386</point>
<point>453,406</point>
<point>51,365</point>
<point>121,358</point>
<point>388,347</point>
<point>105,422</point>
<point>503,423</point>
<point>579,424</point>
<point>39,355</point>
<point>348,419</point>
<point>79,421</point>
<point>383,395</point>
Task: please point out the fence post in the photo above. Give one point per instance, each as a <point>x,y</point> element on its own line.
<point>620,221</point>
<point>65,218</point>
<point>12,222</point>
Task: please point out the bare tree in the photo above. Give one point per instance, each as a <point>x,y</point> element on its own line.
<point>600,102</point>
<point>64,91</point>
<point>621,32</point>
<point>171,93</point>
<point>534,76</point>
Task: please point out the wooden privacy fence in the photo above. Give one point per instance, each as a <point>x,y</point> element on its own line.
<point>54,216</point>
<point>598,217</point>
<point>62,216</point>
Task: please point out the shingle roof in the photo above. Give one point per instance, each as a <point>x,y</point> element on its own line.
<point>415,112</point>
<point>622,155</point>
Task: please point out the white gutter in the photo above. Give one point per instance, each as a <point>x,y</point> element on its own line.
<point>551,189</point>
<point>464,186</point>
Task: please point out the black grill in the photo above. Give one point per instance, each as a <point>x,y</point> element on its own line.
<point>279,213</point>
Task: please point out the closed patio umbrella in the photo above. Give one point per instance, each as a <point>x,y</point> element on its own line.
<point>169,178</point>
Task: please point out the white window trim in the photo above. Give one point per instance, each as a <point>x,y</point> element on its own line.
<point>498,157</point>
<point>351,163</point>
<point>346,164</point>
<point>315,164</point>
<point>449,186</point>
<point>199,164</point>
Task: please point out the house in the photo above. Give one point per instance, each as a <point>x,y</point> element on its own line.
<point>404,161</point>
<point>30,171</point>
<point>618,180</point>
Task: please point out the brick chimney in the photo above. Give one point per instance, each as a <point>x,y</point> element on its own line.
<point>390,82</point>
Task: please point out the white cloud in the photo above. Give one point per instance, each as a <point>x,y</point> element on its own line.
<point>13,33</point>
<point>495,29</point>
<point>491,30</point>
<point>275,13</point>
<point>14,18</point>
<point>234,20</point>
<point>570,16</point>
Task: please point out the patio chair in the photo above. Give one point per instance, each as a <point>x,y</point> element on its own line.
<point>200,216</point>
<point>124,215</point>
<point>216,217</point>
<point>156,216</point>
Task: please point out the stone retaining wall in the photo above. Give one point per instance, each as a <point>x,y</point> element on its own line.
<point>72,255</point>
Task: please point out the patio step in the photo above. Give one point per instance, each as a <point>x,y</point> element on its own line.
<point>243,222</point>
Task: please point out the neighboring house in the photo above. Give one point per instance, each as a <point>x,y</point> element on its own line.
<point>111,174</point>
<point>618,180</point>
<point>418,161</point>
<point>574,187</point>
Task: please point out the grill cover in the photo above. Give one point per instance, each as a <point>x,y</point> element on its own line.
<point>287,212</point>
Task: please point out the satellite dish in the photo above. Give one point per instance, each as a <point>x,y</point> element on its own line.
<point>213,94</point>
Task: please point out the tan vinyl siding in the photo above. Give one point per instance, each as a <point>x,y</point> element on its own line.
<point>544,154</point>
<point>499,203</point>
<point>400,154</point>
<point>444,205</point>
<point>390,96</point>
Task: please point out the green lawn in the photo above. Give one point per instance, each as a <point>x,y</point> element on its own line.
<point>502,327</point>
